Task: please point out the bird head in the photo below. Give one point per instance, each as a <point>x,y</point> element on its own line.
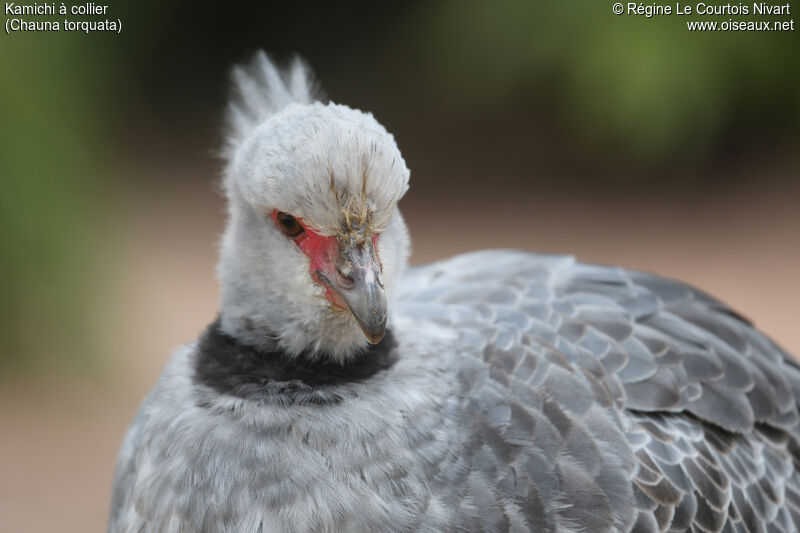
<point>314,239</point>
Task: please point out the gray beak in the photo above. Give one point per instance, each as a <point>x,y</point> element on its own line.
<point>360,285</point>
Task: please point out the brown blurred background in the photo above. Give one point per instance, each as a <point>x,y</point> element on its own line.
<point>555,127</point>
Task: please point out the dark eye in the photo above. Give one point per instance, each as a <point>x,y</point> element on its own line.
<point>289,225</point>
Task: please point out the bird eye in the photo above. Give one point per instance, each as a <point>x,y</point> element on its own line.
<point>289,225</point>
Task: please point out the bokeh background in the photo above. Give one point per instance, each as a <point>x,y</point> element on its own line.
<point>556,127</point>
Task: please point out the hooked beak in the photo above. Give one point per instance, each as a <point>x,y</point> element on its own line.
<point>350,272</point>
<point>358,282</point>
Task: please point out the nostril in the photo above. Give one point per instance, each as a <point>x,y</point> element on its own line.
<point>345,281</point>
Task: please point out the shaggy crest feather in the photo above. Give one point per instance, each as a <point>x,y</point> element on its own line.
<point>260,89</point>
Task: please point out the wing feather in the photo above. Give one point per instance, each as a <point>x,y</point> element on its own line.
<point>694,408</point>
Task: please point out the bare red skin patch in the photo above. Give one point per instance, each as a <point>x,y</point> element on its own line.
<point>322,252</point>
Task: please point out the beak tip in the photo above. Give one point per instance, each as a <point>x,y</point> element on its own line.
<point>374,335</point>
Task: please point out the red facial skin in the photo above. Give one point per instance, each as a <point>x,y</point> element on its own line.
<point>323,252</point>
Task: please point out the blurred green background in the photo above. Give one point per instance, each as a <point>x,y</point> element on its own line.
<point>556,126</point>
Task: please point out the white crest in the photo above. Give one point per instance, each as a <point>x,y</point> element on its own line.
<point>260,90</point>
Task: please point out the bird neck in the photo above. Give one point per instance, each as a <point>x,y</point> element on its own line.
<point>332,335</point>
<point>269,375</point>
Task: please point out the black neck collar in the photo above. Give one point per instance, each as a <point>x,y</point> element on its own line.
<point>270,375</point>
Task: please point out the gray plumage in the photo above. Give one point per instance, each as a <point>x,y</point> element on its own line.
<point>521,392</point>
